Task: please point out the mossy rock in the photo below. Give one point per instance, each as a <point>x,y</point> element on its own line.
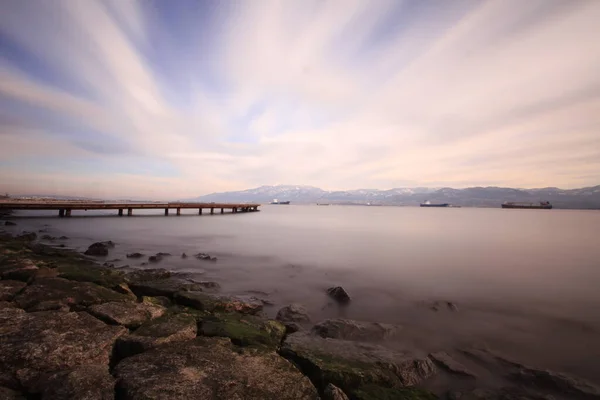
<point>374,392</point>
<point>157,300</point>
<point>102,276</point>
<point>243,330</point>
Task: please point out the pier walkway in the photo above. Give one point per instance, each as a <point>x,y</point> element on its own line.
<point>65,208</point>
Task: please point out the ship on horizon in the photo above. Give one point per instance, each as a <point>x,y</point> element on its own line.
<point>275,201</point>
<point>430,204</point>
<point>542,205</point>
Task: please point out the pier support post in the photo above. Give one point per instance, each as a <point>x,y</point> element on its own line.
<point>212,210</point>
<point>199,211</point>
<point>178,211</point>
<point>61,212</point>
<point>120,212</point>
<point>130,212</point>
<point>222,210</point>
<point>68,212</point>
<point>166,211</point>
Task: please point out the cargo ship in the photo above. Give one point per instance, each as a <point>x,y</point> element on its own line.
<point>542,205</point>
<point>429,204</point>
<point>275,201</point>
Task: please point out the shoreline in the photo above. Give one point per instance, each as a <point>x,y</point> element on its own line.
<point>149,316</point>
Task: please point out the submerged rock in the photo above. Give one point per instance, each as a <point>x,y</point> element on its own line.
<point>63,238</point>
<point>162,254</point>
<point>154,259</point>
<point>57,293</point>
<point>350,365</point>
<point>210,368</point>
<point>166,329</point>
<point>214,303</point>
<point>134,255</point>
<point>183,255</point>
<point>48,237</point>
<point>293,313</point>
<point>90,382</point>
<point>99,248</point>
<point>348,329</point>
<point>10,223</point>
<point>34,344</point>
<point>130,315</point>
<point>205,257</point>
<point>9,289</point>
<point>338,294</point>
<point>243,330</point>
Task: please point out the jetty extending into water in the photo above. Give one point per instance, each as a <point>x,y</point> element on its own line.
<point>65,208</point>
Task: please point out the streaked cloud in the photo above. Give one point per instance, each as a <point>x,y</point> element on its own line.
<point>150,99</point>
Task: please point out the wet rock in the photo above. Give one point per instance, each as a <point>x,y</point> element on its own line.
<point>444,360</point>
<point>214,303</point>
<point>556,383</point>
<point>108,265</point>
<point>208,284</point>
<point>166,329</point>
<point>348,329</point>
<point>154,259</point>
<point>130,315</point>
<point>62,294</point>
<point>157,300</point>
<point>163,287</point>
<point>27,236</point>
<point>35,344</point>
<point>350,365</point>
<point>506,393</point>
<point>451,306</point>
<point>48,237</point>
<point>183,255</point>
<point>243,330</point>
<point>291,327</point>
<point>145,275</point>
<point>63,238</point>
<point>104,276</point>
<point>333,392</point>
<point>370,392</point>
<point>338,294</point>
<point>9,394</point>
<point>10,223</point>
<point>99,249</point>
<point>90,382</point>
<point>162,254</point>
<point>205,257</point>
<point>134,255</point>
<point>9,289</point>
<point>293,313</point>
<point>210,368</point>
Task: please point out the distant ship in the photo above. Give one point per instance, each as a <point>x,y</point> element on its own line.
<point>275,201</point>
<point>542,205</point>
<point>322,204</point>
<point>429,204</point>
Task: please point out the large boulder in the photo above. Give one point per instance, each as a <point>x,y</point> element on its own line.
<point>62,294</point>
<point>293,313</point>
<point>9,289</point>
<point>210,368</point>
<point>166,329</point>
<point>348,329</point>
<point>130,315</point>
<point>163,287</point>
<point>99,248</point>
<point>89,382</point>
<point>35,344</point>
<point>214,303</point>
<point>350,365</point>
<point>243,330</point>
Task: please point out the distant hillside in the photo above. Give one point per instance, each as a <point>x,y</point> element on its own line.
<point>584,198</point>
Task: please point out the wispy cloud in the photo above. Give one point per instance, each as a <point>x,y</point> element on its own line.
<point>160,100</point>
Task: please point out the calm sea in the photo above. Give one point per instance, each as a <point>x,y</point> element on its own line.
<point>525,282</point>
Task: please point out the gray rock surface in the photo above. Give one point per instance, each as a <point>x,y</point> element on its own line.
<point>214,303</point>
<point>130,315</point>
<point>210,368</point>
<point>62,294</point>
<point>349,364</point>
<point>9,289</point>
<point>35,344</point>
<point>349,329</point>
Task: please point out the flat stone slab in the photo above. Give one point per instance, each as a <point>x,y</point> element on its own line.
<point>130,315</point>
<point>58,293</point>
<point>163,287</point>
<point>243,330</point>
<point>349,364</point>
<point>349,329</point>
<point>215,303</point>
<point>166,329</point>
<point>9,289</point>
<point>210,368</point>
<point>34,344</point>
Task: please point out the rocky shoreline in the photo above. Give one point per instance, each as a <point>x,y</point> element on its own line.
<point>71,328</point>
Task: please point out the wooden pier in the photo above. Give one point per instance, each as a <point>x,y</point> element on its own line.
<point>66,208</point>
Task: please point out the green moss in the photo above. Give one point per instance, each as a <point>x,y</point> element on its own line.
<point>243,330</point>
<point>106,277</point>
<point>374,392</point>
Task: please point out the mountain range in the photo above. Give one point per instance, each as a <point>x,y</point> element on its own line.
<point>584,198</point>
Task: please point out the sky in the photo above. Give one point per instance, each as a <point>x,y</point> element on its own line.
<point>173,99</point>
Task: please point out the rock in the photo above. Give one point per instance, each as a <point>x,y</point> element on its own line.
<point>48,237</point>
<point>25,271</point>
<point>99,249</point>
<point>157,300</point>
<point>205,257</point>
<point>90,382</point>
<point>103,276</point>
<point>7,304</point>
<point>183,255</point>
<point>338,294</point>
<point>9,289</point>
<point>63,238</point>
<point>210,368</point>
<point>348,329</point>
<point>27,236</point>
<point>123,288</point>
<point>108,265</point>
<point>163,287</point>
<point>166,329</point>
<point>370,392</point>
<point>144,275</point>
<point>57,293</point>
<point>451,306</point>
<point>34,344</point>
<point>134,255</point>
<point>208,284</point>
<point>333,392</point>
<point>291,327</point>
<point>450,364</point>
<point>556,383</point>
<point>350,365</point>
<point>213,303</point>
<point>9,223</point>
<point>293,313</point>
<point>162,254</point>
<point>154,259</point>
<point>243,330</point>
<point>506,393</point>
<point>9,394</point>
<point>130,315</point>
